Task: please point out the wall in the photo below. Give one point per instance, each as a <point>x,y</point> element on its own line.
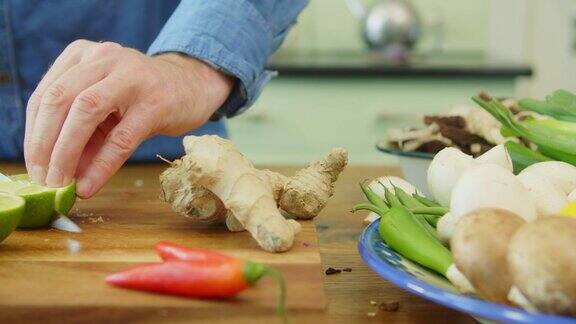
<point>328,25</point>
<point>298,119</point>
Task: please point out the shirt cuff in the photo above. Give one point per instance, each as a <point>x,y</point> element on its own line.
<point>230,35</point>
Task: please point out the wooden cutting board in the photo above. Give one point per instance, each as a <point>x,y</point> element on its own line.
<point>52,276</point>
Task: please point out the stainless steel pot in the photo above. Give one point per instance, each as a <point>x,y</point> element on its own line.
<point>388,24</point>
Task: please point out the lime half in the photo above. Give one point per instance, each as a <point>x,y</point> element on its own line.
<point>40,202</point>
<point>20,177</point>
<point>11,211</point>
<point>65,198</point>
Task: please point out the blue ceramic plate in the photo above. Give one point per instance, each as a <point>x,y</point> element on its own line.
<point>427,284</point>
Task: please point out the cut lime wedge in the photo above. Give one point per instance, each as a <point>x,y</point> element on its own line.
<point>20,177</point>
<point>40,202</point>
<point>65,198</point>
<point>11,211</point>
<point>39,211</point>
<point>4,177</point>
<point>12,186</point>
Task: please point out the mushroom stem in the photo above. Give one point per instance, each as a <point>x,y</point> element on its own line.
<point>459,281</point>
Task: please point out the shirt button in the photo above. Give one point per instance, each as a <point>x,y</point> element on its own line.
<point>4,77</point>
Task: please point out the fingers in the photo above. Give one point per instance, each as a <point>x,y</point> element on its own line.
<point>69,57</point>
<point>51,114</point>
<point>90,108</point>
<point>122,140</point>
<point>95,143</point>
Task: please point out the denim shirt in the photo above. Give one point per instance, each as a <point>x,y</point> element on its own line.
<point>235,36</point>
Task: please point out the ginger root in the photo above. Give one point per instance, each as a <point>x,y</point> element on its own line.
<point>214,184</point>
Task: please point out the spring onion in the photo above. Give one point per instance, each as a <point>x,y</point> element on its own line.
<point>522,157</point>
<point>554,134</point>
<point>560,104</point>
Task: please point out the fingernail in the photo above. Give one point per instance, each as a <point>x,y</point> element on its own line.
<point>54,177</point>
<point>38,174</point>
<point>84,188</point>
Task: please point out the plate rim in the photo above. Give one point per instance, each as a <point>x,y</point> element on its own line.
<point>466,304</point>
<point>383,147</point>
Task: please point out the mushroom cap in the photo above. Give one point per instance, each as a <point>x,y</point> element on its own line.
<point>390,182</point>
<point>542,262</point>
<point>559,173</point>
<point>548,197</point>
<point>497,155</point>
<point>491,186</point>
<point>444,171</point>
<point>445,227</point>
<point>480,247</point>
<point>572,195</point>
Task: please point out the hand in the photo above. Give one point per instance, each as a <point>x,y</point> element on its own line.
<point>99,101</point>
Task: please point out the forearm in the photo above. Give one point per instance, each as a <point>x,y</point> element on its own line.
<point>235,36</point>
<point>196,76</point>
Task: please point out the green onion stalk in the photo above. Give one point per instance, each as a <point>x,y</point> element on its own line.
<point>560,104</point>
<point>555,138</point>
<point>522,157</point>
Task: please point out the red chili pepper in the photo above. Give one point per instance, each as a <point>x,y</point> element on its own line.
<point>197,273</point>
<point>169,251</point>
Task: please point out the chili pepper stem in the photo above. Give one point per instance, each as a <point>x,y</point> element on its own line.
<point>373,197</point>
<point>367,206</point>
<point>277,276</point>
<point>253,271</point>
<point>430,210</point>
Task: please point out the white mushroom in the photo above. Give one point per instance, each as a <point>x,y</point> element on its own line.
<point>444,171</point>
<point>372,216</point>
<point>459,281</point>
<point>389,182</point>
<point>542,262</point>
<point>445,227</point>
<point>449,164</point>
<point>497,155</point>
<point>572,196</point>
<point>548,198</point>
<point>559,173</point>
<point>487,186</point>
<point>480,247</point>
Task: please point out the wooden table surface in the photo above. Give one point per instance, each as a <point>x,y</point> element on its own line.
<point>352,297</point>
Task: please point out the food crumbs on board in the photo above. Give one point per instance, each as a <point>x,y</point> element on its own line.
<point>373,302</point>
<point>347,269</point>
<point>331,271</point>
<point>306,244</point>
<point>371,314</point>
<point>139,183</point>
<point>389,306</point>
<point>96,220</point>
<point>163,313</point>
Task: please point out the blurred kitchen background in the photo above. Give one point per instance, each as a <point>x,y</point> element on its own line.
<point>332,91</point>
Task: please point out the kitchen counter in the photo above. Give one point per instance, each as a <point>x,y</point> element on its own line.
<point>366,64</point>
<point>350,295</point>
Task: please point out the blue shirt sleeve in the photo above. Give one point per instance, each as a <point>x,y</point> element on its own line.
<point>235,36</point>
